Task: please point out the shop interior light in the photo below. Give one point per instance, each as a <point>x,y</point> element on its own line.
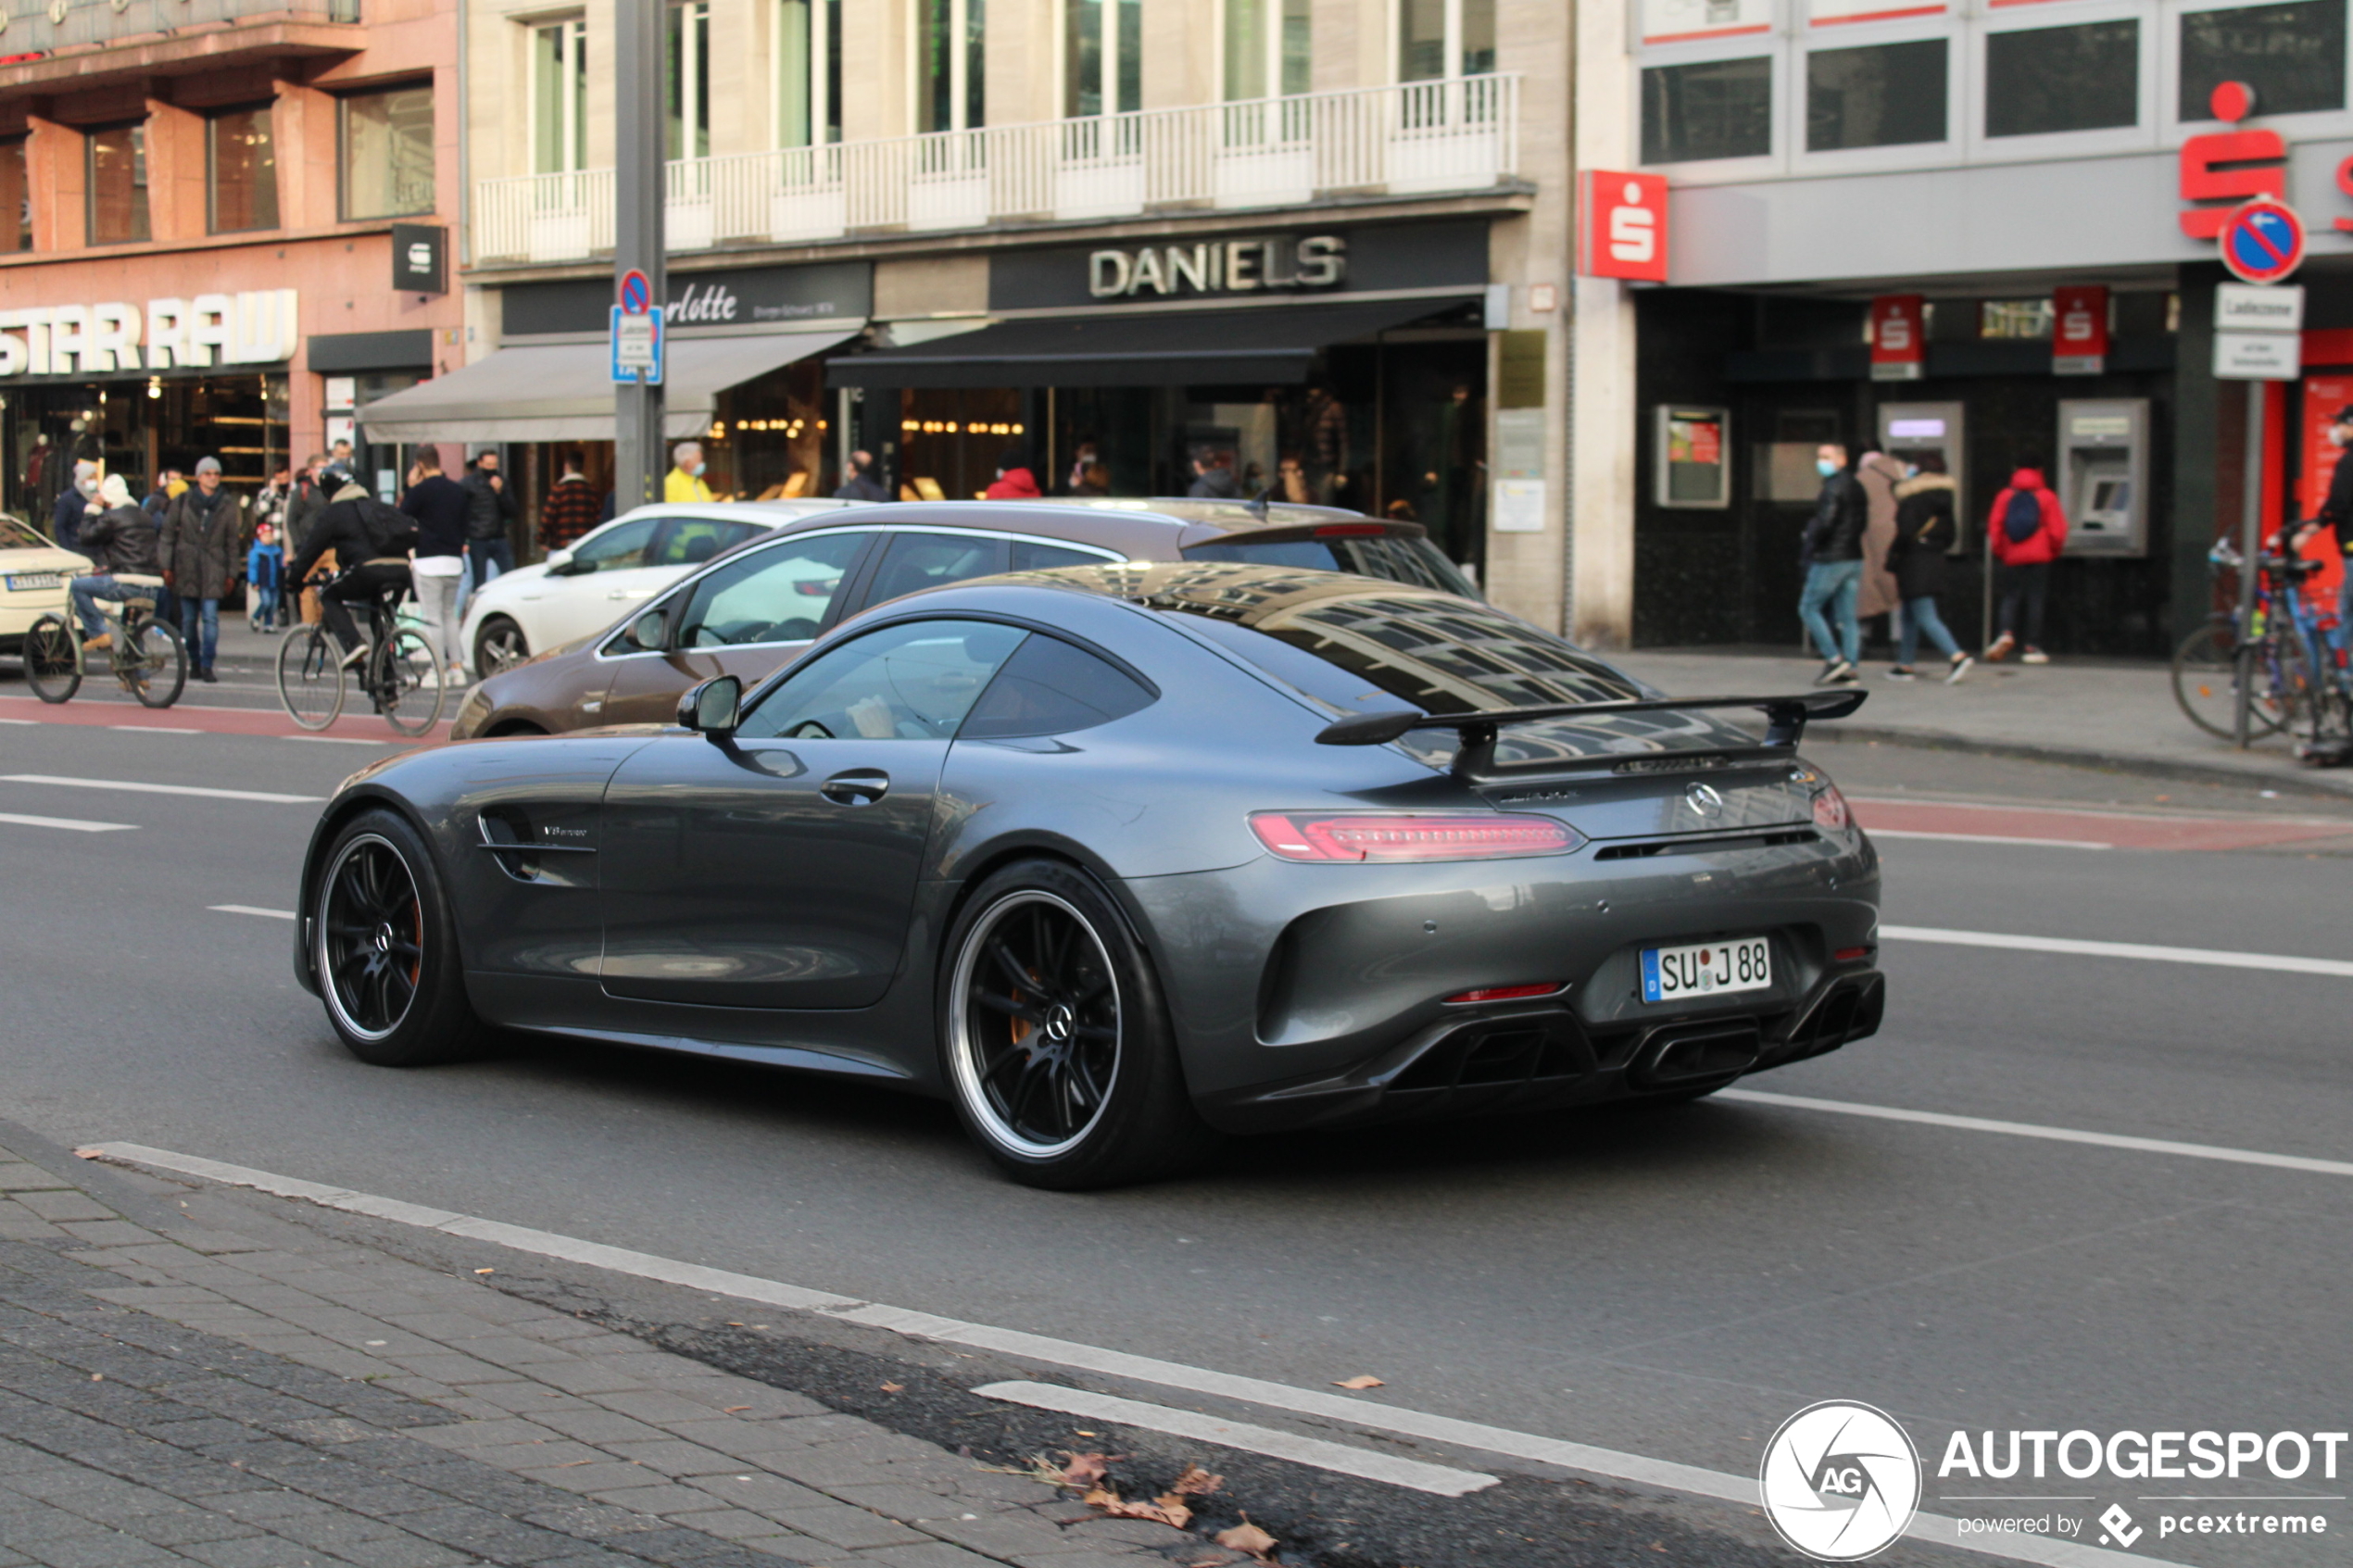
<point>154,386</point>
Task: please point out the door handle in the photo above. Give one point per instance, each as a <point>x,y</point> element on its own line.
<point>858,788</point>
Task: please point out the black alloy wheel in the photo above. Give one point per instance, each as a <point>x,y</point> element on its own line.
<point>498,645</point>
<point>1059,1048</point>
<point>385,949</point>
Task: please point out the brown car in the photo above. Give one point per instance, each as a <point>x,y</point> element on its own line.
<point>751,610</point>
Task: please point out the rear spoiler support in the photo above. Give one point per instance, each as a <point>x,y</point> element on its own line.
<point>1785,719</point>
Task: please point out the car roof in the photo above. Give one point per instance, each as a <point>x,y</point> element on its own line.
<point>1154,530</point>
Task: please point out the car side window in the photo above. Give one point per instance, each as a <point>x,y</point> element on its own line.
<point>914,681</point>
<point>914,561</point>
<point>1051,687</point>
<point>1030,555</point>
<point>690,541</point>
<point>777,595</point>
<point>616,550</point>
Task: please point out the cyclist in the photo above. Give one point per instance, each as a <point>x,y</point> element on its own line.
<point>122,540</point>
<point>372,541</point>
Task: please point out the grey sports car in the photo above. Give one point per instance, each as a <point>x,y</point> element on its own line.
<point>1122,857</point>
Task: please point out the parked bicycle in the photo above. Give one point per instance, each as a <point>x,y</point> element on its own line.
<point>2289,654</point>
<point>400,675</point>
<point>146,656</point>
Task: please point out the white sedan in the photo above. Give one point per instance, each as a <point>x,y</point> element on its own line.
<point>33,578</point>
<point>574,593</point>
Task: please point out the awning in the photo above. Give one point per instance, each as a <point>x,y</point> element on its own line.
<point>564,392</point>
<point>1175,348</point>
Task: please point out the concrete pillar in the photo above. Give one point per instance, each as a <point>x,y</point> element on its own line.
<point>877,69</point>
<point>1180,53</point>
<point>56,173</point>
<point>1601,352</point>
<point>302,123</point>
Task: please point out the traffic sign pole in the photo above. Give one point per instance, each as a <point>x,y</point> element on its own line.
<point>637,239</point>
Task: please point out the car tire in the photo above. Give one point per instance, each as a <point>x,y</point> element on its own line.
<point>1056,1039</point>
<point>384,946</point>
<point>499,645</point>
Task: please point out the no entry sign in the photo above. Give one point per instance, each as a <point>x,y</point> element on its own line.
<point>2263,241</point>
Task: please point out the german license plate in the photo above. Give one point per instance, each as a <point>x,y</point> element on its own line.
<point>25,582</point>
<point>1709,969</point>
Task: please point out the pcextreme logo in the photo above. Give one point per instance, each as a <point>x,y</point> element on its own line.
<point>1841,1481</point>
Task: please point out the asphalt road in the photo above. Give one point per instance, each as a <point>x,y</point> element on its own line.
<point>1672,1283</point>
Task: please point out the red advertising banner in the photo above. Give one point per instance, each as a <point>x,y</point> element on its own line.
<point>2079,331</point>
<point>1899,337</point>
<point>2324,396</point>
<point>1624,234</point>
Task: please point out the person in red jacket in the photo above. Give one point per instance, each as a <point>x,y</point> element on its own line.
<point>2028,530</point>
<point>1015,481</point>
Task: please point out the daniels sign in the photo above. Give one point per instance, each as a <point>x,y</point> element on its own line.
<point>1318,261</point>
<point>257,328</point>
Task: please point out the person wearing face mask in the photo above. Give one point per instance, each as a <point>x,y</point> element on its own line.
<point>1832,553</point>
<point>77,502</point>
<point>685,480</point>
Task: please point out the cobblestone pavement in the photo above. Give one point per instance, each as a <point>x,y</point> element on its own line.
<point>184,1395</point>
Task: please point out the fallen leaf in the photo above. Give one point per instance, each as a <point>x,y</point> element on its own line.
<point>1098,1496</point>
<point>1169,1510</point>
<point>894,1388</point>
<point>1362,1380</point>
<point>486,1271</point>
<point>1196,1482</point>
<point>736,1410</point>
<point>97,1377</point>
<point>1246,1537</point>
<point>1084,1470</point>
<point>735,1326</point>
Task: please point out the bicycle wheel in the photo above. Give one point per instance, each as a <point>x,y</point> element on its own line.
<point>409,684</point>
<point>2205,685</point>
<point>157,671</point>
<point>310,677</point>
<point>52,659</point>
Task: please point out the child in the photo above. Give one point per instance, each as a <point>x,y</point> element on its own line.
<point>264,562</point>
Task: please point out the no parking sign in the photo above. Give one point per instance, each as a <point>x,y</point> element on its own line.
<point>2263,241</point>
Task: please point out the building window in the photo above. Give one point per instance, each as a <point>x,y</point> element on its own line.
<point>387,153</point>
<point>688,129</point>
<point>1711,109</point>
<point>560,96</point>
<point>2293,57</point>
<point>1102,56</point>
<point>241,171</point>
<point>2041,81</point>
<point>1887,95</point>
<point>1266,48</point>
<point>117,185</point>
<point>16,196</point>
<point>809,73</point>
<point>951,77</point>
<point>2014,317</point>
<point>1438,38</point>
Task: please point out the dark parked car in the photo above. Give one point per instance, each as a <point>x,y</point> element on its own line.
<point>753,607</point>
<point>1118,858</point>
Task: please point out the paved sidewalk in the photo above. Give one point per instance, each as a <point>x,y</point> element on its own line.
<point>2103,715</point>
<point>184,1395</point>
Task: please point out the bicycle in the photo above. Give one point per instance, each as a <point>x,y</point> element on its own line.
<point>400,675</point>
<point>2212,660</point>
<point>146,656</point>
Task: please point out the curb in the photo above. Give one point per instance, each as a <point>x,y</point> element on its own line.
<point>2311,782</point>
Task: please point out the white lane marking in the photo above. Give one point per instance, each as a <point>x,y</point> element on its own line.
<point>1987,838</point>
<point>341,740</point>
<point>159,789</point>
<point>2219,957</point>
<point>2228,819</point>
<point>20,721</point>
<point>1365,1413</point>
<point>250,910</point>
<point>69,824</point>
<point>154,729</point>
<point>2055,1134</point>
<point>1443,1480</point>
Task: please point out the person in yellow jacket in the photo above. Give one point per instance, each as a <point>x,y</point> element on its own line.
<point>684,483</point>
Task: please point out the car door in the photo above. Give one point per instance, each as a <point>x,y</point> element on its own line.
<point>589,591</point>
<point>747,617</point>
<point>778,868</point>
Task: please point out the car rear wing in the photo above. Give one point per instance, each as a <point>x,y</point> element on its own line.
<point>1785,719</point>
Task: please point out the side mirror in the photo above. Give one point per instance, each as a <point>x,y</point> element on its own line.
<point>650,632</point>
<point>712,709</point>
<point>558,563</point>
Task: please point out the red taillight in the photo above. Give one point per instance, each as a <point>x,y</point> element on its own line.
<point>1390,835</point>
<point>1850,955</point>
<point>1507,993</point>
<point>1829,809</point>
<point>1350,530</point>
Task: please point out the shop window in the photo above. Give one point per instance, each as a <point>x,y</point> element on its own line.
<point>1102,56</point>
<point>1887,95</point>
<point>387,153</point>
<point>1267,48</point>
<point>560,96</point>
<point>2293,56</point>
<point>809,72</point>
<point>15,197</point>
<point>117,172</point>
<point>241,171</point>
<point>2043,80</point>
<point>1710,109</point>
<point>950,69</point>
<point>2014,317</point>
<point>686,132</point>
<point>1438,38</point>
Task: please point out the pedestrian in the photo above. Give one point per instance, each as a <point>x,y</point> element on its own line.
<point>1927,524</point>
<point>2337,511</point>
<point>2028,530</point>
<point>373,543</point>
<point>1290,480</point>
<point>121,539</point>
<point>1086,457</point>
<point>1831,554</point>
<point>169,488</point>
<point>339,454</point>
<point>1876,597</point>
<point>861,484</point>
<point>1213,477</point>
<point>77,504</point>
<point>571,508</point>
<point>443,511</point>
<point>1093,479</point>
<point>490,515</point>
<point>270,505</point>
<point>1015,481</point>
<point>685,481</point>
<point>310,499</point>
<point>199,552</point>
<point>265,566</point>
<point>1325,429</point>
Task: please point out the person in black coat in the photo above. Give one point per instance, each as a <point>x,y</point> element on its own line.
<point>1926,526</point>
<point>1832,553</point>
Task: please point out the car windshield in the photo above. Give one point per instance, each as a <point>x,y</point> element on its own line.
<point>1397,557</point>
<point>14,535</point>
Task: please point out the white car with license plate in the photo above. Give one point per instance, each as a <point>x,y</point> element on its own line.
<point>34,574</point>
<point>577,592</point>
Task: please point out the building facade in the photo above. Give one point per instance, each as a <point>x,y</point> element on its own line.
<point>198,202</point>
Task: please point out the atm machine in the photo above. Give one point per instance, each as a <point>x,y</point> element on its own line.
<point>1908,431</point>
<point>2103,477</point>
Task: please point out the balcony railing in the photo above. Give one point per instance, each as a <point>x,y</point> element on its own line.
<point>1421,137</point>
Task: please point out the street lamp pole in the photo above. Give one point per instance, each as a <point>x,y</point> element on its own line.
<point>638,232</point>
